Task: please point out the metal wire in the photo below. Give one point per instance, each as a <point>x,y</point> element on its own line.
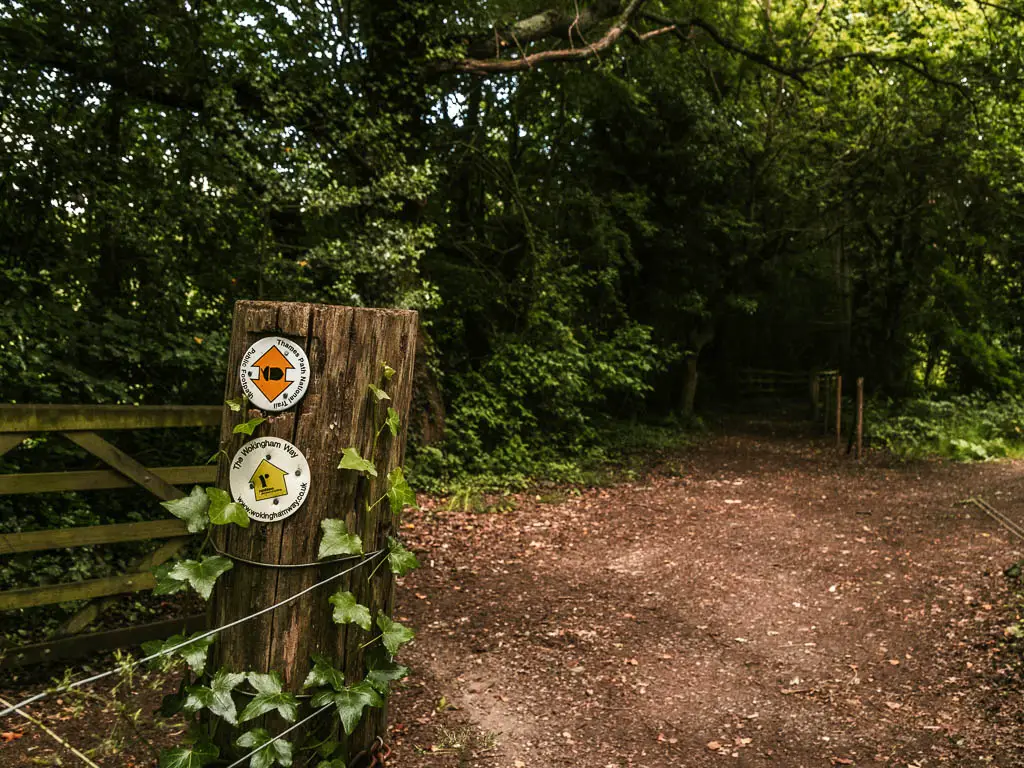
<point>1010,525</point>
<point>279,736</point>
<point>262,564</point>
<point>203,636</point>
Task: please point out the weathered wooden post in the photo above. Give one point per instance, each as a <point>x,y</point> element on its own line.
<point>815,394</point>
<point>839,410</point>
<point>860,416</point>
<point>824,403</point>
<point>346,350</point>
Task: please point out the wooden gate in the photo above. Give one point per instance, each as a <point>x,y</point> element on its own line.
<point>80,424</point>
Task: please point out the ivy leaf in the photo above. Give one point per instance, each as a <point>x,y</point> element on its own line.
<point>337,540</point>
<point>237,404</point>
<point>217,696</point>
<point>328,748</point>
<point>194,756</point>
<point>201,574</point>
<point>388,371</point>
<point>337,763</point>
<point>393,634</point>
<point>324,674</point>
<point>348,611</point>
<point>378,393</point>
<point>191,509</point>
<point>277,753</point>
<point>165,583</point>
<point>400,560</point>
<point>194,653</point>
<point>248,427</point>
<point>394,421</point>
<point>350,459</point>
<point>224,511</point>
<point>172,703</point>
<point>400,494</point>
<point>269,696</point>
<point>350,702</point>
<point>382,670</point>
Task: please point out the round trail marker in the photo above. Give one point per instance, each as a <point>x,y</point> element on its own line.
<point>270,478</point>
<point>274,373</point>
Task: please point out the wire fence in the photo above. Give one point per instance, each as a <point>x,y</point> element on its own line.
<point>16,708</point>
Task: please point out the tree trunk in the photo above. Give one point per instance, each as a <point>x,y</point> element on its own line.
<point>698,340</point>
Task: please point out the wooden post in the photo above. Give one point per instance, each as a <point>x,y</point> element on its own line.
<point>825,401</point>
<point>860,416</point>
<point>347,348</point>
<point>839,410</point>
<point>815,394</point>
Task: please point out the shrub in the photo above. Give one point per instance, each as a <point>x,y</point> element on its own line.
<point>962,428</point>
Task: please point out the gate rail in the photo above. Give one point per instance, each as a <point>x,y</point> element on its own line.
<point>80,424</point>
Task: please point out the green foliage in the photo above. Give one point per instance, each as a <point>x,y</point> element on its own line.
<point>270,697</point>
<point>165,583</point>
<point>382,670</point>
<point>215,697</point>
<point>963,428</point>
<point>400,560</point>
<point>224,511</point>
<point>378,393</point>
<point>348,611</point>
<point>350,702</point>
<point>577,238</point>
<point>277,753</point>
<point>400,494</point>
<point>194,652</point>
<point>337,540</point>
<point>393,422</point>
<point>200,574</point>
<point>350,459</point>
<point>324,674</point>
<point>192,509</point>
<point>248,427</point>
<point>193,756</point>
<point>393,634</point>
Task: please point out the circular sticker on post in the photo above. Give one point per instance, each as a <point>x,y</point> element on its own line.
<point>274,373</point>
<point>270,478</point>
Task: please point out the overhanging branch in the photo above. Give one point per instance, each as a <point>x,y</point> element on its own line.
<point>478,66</point>
<point>682,27</point>
<point>551,25</point>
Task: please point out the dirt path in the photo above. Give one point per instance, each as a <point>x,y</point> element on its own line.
<point>768,606</point>
<point>762,604</point>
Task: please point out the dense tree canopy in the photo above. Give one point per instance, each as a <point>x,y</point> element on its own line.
<point>589,201</point>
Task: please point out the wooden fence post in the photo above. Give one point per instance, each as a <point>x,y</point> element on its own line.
<point>860,416</point>
<point>824,403</point>
<point>839,410</point>
<point>815,394</point>
<point>347,348</point>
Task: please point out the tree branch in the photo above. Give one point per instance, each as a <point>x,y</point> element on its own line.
<point>1010,11</point>
<point>542,26</point>
<point>550,24</point>
<point>679,26</point>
